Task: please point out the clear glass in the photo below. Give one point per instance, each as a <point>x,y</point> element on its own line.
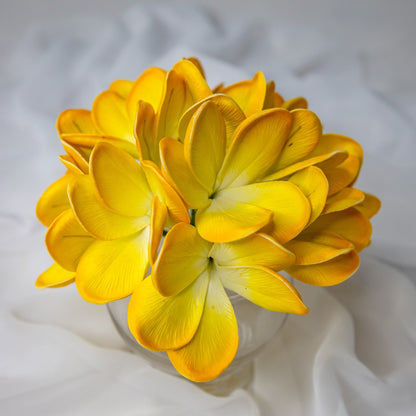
<point>256,327</point>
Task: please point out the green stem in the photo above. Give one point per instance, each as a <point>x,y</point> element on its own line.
<point>193,214</point>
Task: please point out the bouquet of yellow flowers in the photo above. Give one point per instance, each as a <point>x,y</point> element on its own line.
<point>178,194</point>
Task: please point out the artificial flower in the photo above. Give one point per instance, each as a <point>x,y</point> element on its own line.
<point>327,251</point>
<point>111,233</point>
<point>222,181</point>
<point>115,114</point>
<point>144,111</point>
<point>184,308</point>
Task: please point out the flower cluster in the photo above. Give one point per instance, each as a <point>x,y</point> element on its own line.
<point>241,183</point>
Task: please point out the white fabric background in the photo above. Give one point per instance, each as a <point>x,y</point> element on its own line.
<point>354,354</point>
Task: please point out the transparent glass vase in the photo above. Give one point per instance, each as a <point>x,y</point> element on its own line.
<point>256,327</point>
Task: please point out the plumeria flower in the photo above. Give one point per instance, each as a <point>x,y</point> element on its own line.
<point>128,112</point>
<point>183,308</point>
<point>118,112</point>
<point>111,233</point>
<point>114,111</point>
<point>327,250</point>
<point>339,227</point>
<point>224,181</point>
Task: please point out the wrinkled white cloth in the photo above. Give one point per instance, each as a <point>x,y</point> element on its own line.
<point>353,354</point>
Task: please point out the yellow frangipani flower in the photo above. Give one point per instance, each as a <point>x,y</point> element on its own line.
<point>111,233</point>
<point>338,156</point>
<point>224,181</point>
<point>183,307</point>
<point>143,111</point>
<point>116,113</point>
<point>327,250</point>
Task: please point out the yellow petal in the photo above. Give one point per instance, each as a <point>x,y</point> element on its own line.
<point>122,87</point>
<point>54,200</point>
<point>177,171</point>
<point>158,217</point>
<point>342,175</point>
<point>290,208</point>
<point>70,164</point>
<point>111,270</point>
<point>225,220</point>
<point>345,198</point>
<point>197,63</point>
<point>205,143</point>
<point>147,146</point>
<point>264,287</point>
<point>313,183</point>
<point>303,138</point>
<point>148,87</point>
<point>67,241</point>
<point>249,94</point>
<point>176,208</point>
<point>77,156</point>
<point>215,343</point>
<point>197,87</point>
<point>55,276</point>
<point>182,258</point>
<point>295,103</point>
<point>84,143</point>
<point>278,100</point>
<point>332,142</point>
<point>76,121</point>
<point>346,172</point>
<point>254,147</point>
<point>120,181</point>
<point>160,323</point>
<point>328,273</point>
<point>327,159</point>
<point>228,108</point>
<point>254,250</point>
<point>95,217</point>
<point>349,224</point>
<point>272,99</point>
<point>110,115</point>
<point>318,248</point>
<point>172,106</point>
<point>370,206</point>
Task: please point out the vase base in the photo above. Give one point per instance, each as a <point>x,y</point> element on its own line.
<point>238,378</point>
<point>256,326</point>
<point>237,375</point>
